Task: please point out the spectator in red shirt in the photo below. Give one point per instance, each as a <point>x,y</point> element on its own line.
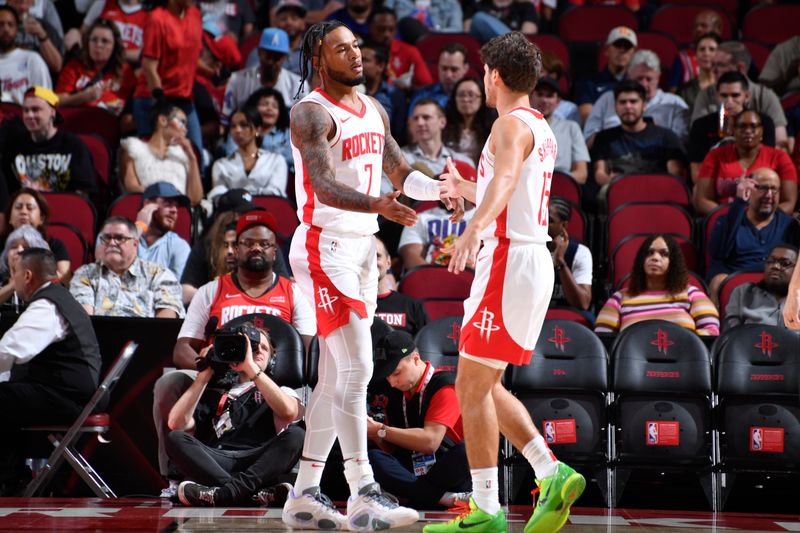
<point>173,38</point>
<point>406,69</point>
<point>129,16</point>
<point>99,77</point>
<point>422,456</point>
<point>723,167</point>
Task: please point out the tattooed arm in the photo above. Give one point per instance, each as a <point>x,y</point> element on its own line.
<point>311,128</point>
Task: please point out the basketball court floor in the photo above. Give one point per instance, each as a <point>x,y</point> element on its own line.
<point>154,515</point>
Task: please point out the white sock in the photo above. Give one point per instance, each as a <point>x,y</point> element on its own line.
<point>540,457</point>
<point>309,475</point>
<point>358,473</point>
<point>485,489</point>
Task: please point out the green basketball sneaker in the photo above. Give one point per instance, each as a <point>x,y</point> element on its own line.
<point>471,519</point>
<point>557,493</point>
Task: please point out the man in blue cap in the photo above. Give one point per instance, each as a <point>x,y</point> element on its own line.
<point>273,49</point>
<point>156,221</point>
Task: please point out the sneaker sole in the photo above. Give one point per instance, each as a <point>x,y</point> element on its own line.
<point>375,523</point>
<point>322,525</point>
<point>570,492</point>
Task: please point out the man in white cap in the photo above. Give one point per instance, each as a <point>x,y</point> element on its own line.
<point>620,47</point>
<point>273,49</point>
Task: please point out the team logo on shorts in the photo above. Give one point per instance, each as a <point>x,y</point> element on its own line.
<point>486,326</point>
<point>325,300</point>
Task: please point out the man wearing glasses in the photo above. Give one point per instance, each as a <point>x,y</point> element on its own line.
<point>252,288</point>
<point>762,302</point>
<point>119,283</point>
<point>743,238</point>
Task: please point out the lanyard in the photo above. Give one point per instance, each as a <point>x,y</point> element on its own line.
<point>428,376</point>
<point>233,396</point>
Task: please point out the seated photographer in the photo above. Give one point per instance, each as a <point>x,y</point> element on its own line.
<point>234,441</point>
<point>422,457</point>
<point>253,287</point>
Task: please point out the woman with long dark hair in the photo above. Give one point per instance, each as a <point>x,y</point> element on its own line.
<point>251,168</point>
<point>659,289</point>
<point>99,76</point>
<point>469,120</point>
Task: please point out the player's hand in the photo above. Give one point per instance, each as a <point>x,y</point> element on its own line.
<point>458,210</point>
<point>791,310</point>
<point>388,207</point>
<point>464,251</point>
<point>449,181</point>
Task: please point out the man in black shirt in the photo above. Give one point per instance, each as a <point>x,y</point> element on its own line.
<point>51,358</point>
<point>634,145</point>
<point>44,157</point>
<point>398,310</point>
<point>237,440</point>
<point>733,93</point>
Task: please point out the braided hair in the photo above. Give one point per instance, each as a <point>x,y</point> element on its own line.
<point>312,40</point>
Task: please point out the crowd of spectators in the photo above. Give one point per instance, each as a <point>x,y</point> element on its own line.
<point>202,92</point>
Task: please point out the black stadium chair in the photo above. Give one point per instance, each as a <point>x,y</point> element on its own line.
<point>289,350</point>
<point>437,341</point>
<point>756,380</point>
<point>565,389</point>
<point>661,379</point>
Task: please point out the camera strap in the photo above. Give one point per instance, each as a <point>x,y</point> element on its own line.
<point>233,394</point>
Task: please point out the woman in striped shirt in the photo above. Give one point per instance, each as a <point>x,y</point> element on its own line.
<point>659,289</point>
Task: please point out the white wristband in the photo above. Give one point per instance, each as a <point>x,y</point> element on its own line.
<point>418,186</point>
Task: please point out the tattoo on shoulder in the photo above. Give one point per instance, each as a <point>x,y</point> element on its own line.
<point>310,128</point>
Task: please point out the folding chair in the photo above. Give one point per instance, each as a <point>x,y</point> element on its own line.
<point>64,438</point>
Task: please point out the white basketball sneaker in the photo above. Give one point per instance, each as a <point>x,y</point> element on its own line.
<point>312,510</point>
<point>374,510</point>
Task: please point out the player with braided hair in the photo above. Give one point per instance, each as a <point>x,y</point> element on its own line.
<point>341,142</point>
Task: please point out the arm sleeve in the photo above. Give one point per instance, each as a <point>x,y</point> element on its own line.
<point>194,325</point>
<point>38,327</point>
<point>582,266</point>
<point>81,286</point>
<point>167,292</point>
<point>443,408</point>
<point>608,320</point>
<point>40,74</point>
<point>704,312</point>
<point>303,318</point>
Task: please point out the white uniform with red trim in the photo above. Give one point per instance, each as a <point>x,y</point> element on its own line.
<point>333,254</point>
<point>514,271</point>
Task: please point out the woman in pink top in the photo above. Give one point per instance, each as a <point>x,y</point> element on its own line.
<point>724,166</point>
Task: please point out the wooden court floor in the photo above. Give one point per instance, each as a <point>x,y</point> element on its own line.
<point>154,515</point>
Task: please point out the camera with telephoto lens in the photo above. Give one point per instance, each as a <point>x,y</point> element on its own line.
<point>229,345</point>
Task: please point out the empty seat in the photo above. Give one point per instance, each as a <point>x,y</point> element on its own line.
<point>756,379</point>
<point>661,379</point>
<point>708,226</point>
<point>771,24</point>
<point>88,120</point>
<point>430,46</point>
<point>566,187</point>
<point>651,188</point>
<point>593,23</point>
<point>76,245</point>
<point>441,292</point>
<point>438,340</point>
<point>74,209</point>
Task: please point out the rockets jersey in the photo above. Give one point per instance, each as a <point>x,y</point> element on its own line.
<point>525,217</point>
<point>130,21</point>
<point>231,302</point>
<point>357,147</point>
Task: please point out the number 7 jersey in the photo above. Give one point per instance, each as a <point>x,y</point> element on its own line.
<point>357,147</point>
<point>525,217</point>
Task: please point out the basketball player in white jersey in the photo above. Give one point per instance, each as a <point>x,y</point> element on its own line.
<point>513,283</point>
<point>341,142</point>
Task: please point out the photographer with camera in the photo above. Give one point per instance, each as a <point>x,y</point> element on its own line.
<point>422,456</point>
<point>253,287</point>
<point>234,442</point>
